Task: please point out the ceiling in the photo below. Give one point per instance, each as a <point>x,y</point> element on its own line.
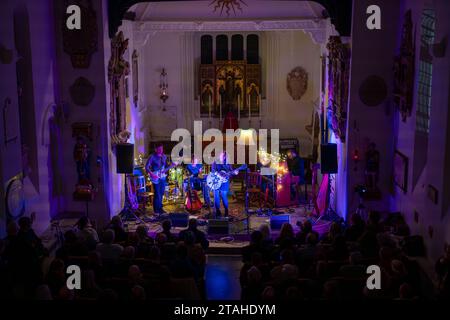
<point>204,10</point>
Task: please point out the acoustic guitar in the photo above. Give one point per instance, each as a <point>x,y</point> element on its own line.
<point>217,178</point>
<point>193,202</point>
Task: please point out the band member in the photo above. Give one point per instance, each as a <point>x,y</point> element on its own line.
<point>222,192</point>
<point>296,167</point>
<point>195,170</point>
<point>157,161</point>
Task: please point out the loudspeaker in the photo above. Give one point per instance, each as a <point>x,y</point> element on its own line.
<point>179,220</point>
<point>216,226</point>
<point>328,158</point>
<point>276,222</point>
<point>125,158</point>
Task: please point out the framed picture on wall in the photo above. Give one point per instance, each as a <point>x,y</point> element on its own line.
<point>401,170</point>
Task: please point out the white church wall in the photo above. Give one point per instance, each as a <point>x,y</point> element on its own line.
<point>280,52</point>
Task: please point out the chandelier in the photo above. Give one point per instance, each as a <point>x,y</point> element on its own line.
<point>228,5</point>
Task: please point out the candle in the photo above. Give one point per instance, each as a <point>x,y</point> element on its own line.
<point>260,106</point>
<point>209,106</point>
<point>249,108</point>
<point>239,106</point>
<point>220,108</point>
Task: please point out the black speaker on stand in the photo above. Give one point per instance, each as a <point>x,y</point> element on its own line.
<point>328,158</point>
<point>125,165</point>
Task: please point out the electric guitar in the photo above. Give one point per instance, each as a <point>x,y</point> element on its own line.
<point>161,174</point>
<point>214,180</point>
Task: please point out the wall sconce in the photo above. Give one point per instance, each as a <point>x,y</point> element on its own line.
<point>163,85</point>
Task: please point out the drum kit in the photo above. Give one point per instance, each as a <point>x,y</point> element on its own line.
<point>179,186</point>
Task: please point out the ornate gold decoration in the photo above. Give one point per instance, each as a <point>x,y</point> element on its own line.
<point>228,5</point>
<point>118,69</point>
<point>81,44</point>
<point>297,83</point>
<point>338,85</point>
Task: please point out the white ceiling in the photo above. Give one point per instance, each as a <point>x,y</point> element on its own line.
<point>203,10</point>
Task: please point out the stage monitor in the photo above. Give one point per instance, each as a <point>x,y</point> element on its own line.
<point>179,220</point>
<point>276,222</point>
<point>217,226</point>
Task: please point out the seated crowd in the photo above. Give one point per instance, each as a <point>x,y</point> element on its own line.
<point>306,266</point>
<point>114,264</point>
<point>117,264</point>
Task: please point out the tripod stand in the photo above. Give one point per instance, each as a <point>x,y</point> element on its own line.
<point>130,205</point>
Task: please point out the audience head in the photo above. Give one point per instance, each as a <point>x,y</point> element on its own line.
<point>129,252</point>
<point>398,268</point>
<point>306,226</point>
<point>265,231</point>
<point>256,237</point>
<point>161,239</point>
<point>141,232</point>
<point>335,229</point>
<point>167,225</point>
<point>116,222</point>
<point>406,291</point>
<point>286,231</point>
<point>189,238</point>
<point>312,239</point>
<point>43,293</point>
<point>268,293</point>
<point>138,293</point>
<point>108,236</point>
<point>24,224</point>
<point>70,237</point>
<point>134,273</point>
<point>331,290</point>
<point>254,276</point>
<point>355,258</point>
<point>192,224</point>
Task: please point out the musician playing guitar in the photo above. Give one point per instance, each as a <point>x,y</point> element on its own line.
<point>157,167</point>
<point>223,168</point>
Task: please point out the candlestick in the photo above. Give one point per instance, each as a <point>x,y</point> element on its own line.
<point>260,106</point>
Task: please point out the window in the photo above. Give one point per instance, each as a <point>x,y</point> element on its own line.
<point>237,47</point>
<point>253,49</point>
<point>222,48</point>
<point>425,71</point>
<point>206,49</point>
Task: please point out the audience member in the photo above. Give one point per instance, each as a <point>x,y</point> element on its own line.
<point>107,249</point>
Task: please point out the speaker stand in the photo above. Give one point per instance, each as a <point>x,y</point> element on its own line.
<point>128,212</point>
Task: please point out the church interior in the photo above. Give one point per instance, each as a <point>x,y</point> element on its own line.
<point>343,106</point>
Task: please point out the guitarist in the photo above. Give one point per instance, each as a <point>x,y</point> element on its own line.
<point>195,170</point>
<point>157,161</point>
<point>222,192</point>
